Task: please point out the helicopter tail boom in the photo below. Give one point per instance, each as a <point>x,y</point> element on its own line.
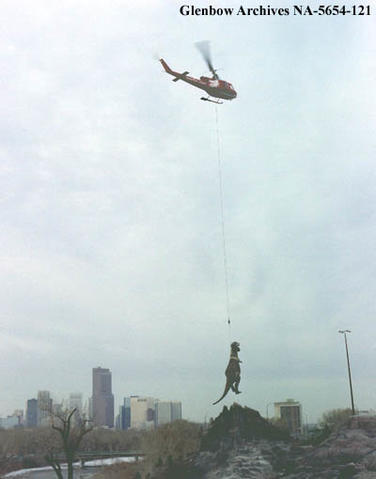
<point>177,75</point>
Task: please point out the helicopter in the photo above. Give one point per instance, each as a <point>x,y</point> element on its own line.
<point>214,86</point>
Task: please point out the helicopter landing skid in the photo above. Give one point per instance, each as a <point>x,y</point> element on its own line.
<point>212,101</point>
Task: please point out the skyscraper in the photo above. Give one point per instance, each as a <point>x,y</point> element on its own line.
<point>75,402</point>
<point>142,412</point>
<point>125,414</point>
<point>167,411</point>
<point>103,399</point>
<point>176,410</point>
<point>44,408</point>
<point>162,412</point>
<point>32,413</point>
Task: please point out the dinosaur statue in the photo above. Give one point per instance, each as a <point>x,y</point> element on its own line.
<point>232,372</point>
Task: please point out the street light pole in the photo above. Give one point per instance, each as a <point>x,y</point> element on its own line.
<point>344,331</point>
<point>267,409</point>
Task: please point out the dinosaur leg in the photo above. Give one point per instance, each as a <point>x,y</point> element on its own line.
<point>236,387</point>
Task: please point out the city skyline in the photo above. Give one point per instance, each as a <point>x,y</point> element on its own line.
<point>34,415</point>
<point>69,401</point>
<point>144,412</point>
<point>65,400</point>
<point>111,228</point>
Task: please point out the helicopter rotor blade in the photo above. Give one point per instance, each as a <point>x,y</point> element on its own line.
<point>204,48</point>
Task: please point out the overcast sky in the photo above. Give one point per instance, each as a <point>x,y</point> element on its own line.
<point>111,242</point>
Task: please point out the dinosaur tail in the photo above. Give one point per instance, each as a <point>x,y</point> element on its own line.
<point>227,388</point>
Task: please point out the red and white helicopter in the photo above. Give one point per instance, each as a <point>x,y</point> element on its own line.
<point>213,86</point>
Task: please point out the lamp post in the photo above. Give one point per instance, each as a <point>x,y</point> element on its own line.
<point>344,331</point>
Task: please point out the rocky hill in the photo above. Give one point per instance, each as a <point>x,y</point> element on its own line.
<point>241,444</point>
<point>349,452</point>
<point>236,425</point>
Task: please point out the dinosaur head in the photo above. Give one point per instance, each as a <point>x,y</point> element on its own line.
<point>235,347</point>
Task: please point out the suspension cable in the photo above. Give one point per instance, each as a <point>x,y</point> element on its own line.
<point>220,184</point>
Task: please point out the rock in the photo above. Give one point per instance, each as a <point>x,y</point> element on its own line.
<point>238,424</point>
<point>240,444</point>
<point>349,452</point>
<point>247,461</point>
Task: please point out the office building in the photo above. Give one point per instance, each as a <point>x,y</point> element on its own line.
<point>89,408</point>
<point>124,418</point>
<point>44,408</point>
<point>162,412</point>
<point>9,422</point>
<point>102,399</point>
<point>290,413</point>
<point>75,402</point>
<point>32,413</point>
<point>167,411</point>
<point>19,413</point>
<point>142,412</point>
<point>176,410</point>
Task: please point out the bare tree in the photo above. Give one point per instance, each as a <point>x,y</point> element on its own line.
<point>335,418</point>
<point>71,428</point>
<point>170,444</point>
